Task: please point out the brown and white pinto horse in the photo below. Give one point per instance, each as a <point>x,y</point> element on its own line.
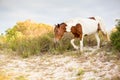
<point>79,28</point>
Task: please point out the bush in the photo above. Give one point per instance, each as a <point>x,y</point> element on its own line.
<point>33,46</point>
<point>115,37</point>
<point>45,43</point>
<point>29,38</point>
<point>65,42</point>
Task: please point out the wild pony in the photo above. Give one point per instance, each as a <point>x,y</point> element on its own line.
<point>79,28</point>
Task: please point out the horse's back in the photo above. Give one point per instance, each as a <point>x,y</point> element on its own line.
<point>89,26</point>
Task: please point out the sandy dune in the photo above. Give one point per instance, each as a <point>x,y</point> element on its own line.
<point>67,66</point>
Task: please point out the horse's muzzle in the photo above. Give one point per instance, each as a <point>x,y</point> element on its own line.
<point>56,40</point>
<point>56,43</point>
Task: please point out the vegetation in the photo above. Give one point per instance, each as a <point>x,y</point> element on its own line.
<point>29,38</point>
<point>115,37</point>
<point>20,78</point>
<point>3,76</point>
<point>80,71</point>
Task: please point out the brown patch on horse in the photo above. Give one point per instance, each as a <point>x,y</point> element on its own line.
<point>77,31</point>
<point>92,18</point>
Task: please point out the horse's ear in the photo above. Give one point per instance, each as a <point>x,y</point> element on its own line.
<point>58,25</point>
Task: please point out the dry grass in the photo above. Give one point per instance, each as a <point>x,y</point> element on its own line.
<point>3,76</point>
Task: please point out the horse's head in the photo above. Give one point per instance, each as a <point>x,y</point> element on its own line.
<point>59,31</point>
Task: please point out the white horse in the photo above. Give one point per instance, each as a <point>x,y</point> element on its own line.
<point>81,27</point>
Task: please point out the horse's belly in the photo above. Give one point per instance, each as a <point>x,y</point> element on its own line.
<point>89,29</point>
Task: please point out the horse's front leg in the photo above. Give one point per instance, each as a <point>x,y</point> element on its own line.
<point>72,42</point>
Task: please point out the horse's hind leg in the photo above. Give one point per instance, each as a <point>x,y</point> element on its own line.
<point>72,42</point>
<point>81,45</point>
<point>98,40</point>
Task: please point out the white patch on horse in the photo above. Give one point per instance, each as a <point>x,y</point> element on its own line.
<point>70,23</point>
<point>88,26</point>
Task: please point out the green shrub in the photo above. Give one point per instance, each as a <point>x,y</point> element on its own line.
<point>32,46</point>
<point>115,37</point>
<point>90,40</point>
<point>65,42</point>
<point>45,43</point>
<point>29,38</point>
<point>26,46</point>
<point>80,71</point>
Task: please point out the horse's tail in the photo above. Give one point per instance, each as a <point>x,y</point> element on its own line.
<point>102,27</point>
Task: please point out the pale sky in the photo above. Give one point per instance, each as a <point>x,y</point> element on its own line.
<point>56,11</point>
